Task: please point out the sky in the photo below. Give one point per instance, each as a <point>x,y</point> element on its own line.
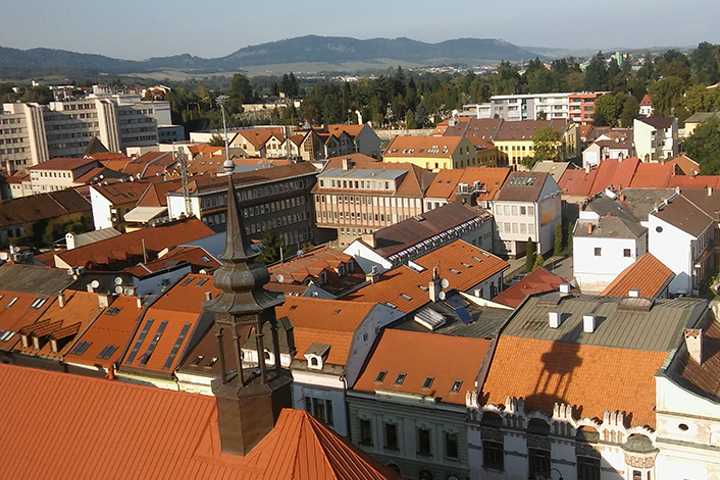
<point>136,30</point>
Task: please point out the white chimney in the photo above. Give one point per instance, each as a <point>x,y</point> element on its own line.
<point>710,190</point>
<point>139,302</point>
<point>208,296</point>
<point>589,323</point>
<point>434,286</point>
<point>565,288</point>
<point>694,343</point>
<point>373,276</point>
<point>103,300</point>
<point>346,163</point>
<point>555,319</point>
<point>70,240</point>
<point>61,300</point>
<point>634,293</point>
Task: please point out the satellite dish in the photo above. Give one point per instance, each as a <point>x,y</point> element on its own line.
<point>280,278</point>
<point>444,283</point>
<point>119,289</point>
<point>118,280</point>
<point>300,253</point>
<point>95,284</point>
<point>442,295</point>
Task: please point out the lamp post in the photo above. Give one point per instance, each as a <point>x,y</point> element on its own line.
<point>222,100</point>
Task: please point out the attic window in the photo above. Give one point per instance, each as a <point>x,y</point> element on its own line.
<point>406,297</point>
<point>39,302</point>
<point>466,265</point>
<point>187,281</point>
<point>80,348</point>
<point>477,259</point>
<point>456,272</point>
<point>112,311</point>
<point>456,386</point>
<point>293,307</point>
<point>12,302</point>
<point>336,311</point>
<point>107,352</point>
<point>380,376</point>
<point>428,382</point>
<point>202,282</point>
<point>196,361</point>
<point>205,259</point>
<point>400,378</point>
<point>211,362</point>
<point>423,288</point>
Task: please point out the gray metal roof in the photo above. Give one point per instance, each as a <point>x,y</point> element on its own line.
<point>369,173</point>
<point>642,201</point>
<point>620,325</point>
<point>37,280</point>
<point>610,227</point>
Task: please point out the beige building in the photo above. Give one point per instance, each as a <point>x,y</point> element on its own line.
<point>432,153</point>
<point>61,173</point>
<point>22,135</point>
<point>514,140</point>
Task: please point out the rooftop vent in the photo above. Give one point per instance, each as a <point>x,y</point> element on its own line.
<point>634,293</point>
<point>589,323</point>
<point>565,288</point>
<point>555,319</point>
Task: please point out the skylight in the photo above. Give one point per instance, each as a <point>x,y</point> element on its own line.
<point>400,378</point>
<point>107,352</point>
<point>12,302</point>
<point>381,376</point>
<point>187,281</point>
<point>428,382</point>
<point>196,361</point>
<point>456,386</point>
<point>202,282</point>
<point>80,348</point>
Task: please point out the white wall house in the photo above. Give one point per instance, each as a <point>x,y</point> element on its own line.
<point>656,138</point>
<point>683,237</point>
<point>102,217</point>
<point>527,206</point>
<point>603,247</point>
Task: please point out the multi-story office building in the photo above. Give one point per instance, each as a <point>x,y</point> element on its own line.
<point>578,106</point>
<point>361,198</point>
<point>31,133</point>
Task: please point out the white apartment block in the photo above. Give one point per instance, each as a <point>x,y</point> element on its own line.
<point>537,106</point>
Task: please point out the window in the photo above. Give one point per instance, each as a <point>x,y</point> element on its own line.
<point>423,438</point>
<point>598,251</point>
<point>391,436</point>
<point>400,378</point>
<point>626,253</point>
<point>320,408</point>
<point>451,445</point>
<point>456,386</point>
<point>428,382</point>
<point>588,468</point>
<point>539,462</point>
<point>637,475</point>
<point>380,376</point>
<point>493,455</point>
<point>366,432</point>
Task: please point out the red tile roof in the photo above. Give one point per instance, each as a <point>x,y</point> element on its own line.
<point>697,182</point>
<point>618,174</point>
<point>409,146</point>
<point>538,281</point>
<point>19,314</point>
<point>82,427</point>
<point>111,329</point>
<point>197,257</point>
<point>328,322</point>
<point>647,274</point>
<point>590,378</point>
<point>125,192</point>
<point>491,181</point>
<point>64,164</point>
<point>687,165</point>
<point>298,270</point>
<point>45,206</point>
<point>121,249</point>
<point>652,175</point>
<point>445,183</point>
<point>577,182</point>
<point>396,286</point>
<point>705,376</point>
<point>420,355</point>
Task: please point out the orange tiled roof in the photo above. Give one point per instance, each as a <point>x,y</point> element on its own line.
<point>612,172</point>
<point>647,274</point>
<point>697,182</point>
<point>80,307</point>
<point>356,158</point>
<point>155,194</point>
<point>420,355</point>
<point>111,329</point>
<point>104,429</point>
<point>652,175</point>
<point>445,183</point>
<point>591,378</point>
<point>329,322</point>
<point>125,192</point>
<point>538,281</point>
<point>686,164</point>
<point>64,164</point>
<point>491,178</point>
<point>577,182</point>
<point>397,285</point>
<point>422,147</point>
<point>197,257</point>
<point>130,245</point>
<point>352,130</point>
<point>19,314</point>
<point>414,184</point>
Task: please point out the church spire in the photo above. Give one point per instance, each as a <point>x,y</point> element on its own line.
<point>249,399</point>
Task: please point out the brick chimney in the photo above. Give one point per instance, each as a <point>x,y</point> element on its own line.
<point>694,343</point>
<point>373,276</point>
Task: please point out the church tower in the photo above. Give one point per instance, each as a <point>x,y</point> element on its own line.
<point>249,400</point>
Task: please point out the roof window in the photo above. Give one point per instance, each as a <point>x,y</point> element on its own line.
<point>107,352</point>
<point>39,302</point>
<point>456,386</point>
<point>12,302</point>
<point>196,361</point>
<point>202,282</point>
<point>400,378</point>
<point>428,382</point>
<point>80,348</point>
<point>381,376</point>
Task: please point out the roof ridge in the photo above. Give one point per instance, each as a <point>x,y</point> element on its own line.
<point>696,206</point>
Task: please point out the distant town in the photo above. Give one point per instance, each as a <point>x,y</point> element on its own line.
<point>507,271</point>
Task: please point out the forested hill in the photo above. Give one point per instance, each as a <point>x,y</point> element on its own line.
<point>16,63</point>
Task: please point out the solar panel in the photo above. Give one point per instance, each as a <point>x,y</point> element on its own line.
<point>140,341</point>
<point>107,352</point>
<point>463,315</point>
<point>112,311</point>
<point>80,348</point>
<point>456,302</point>
<point>202,282</point>
<point>176,347</point>
<point>187,281</point>
<point>146,356</point>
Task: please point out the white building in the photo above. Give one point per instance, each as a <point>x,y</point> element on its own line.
<point>607,239</point>
<point>683,234</point>
<point>656,138</point>
<point>528,206</point>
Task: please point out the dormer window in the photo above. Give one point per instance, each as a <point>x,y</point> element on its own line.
<point>316,355</point>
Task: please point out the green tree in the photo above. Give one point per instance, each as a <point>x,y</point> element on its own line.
<point>271,245</point>
<point>37,94</point>
<point>240,92</point>
<point>607,110</point>
<point>545,147</point>
<point>703,146</point>
<point>216,140</point>
<point>421,116</point>
<point>410,120</point>
<point>558,239</point>
<point>630,111</point>
<point>667,95</point>
<point>596,74</point>
<point>539,261</point>
<point>529,255</point>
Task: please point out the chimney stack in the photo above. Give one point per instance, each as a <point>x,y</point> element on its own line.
<point>139,302</point>
<point>554,319</point>
<point>208,296</point>
<point>373,276</point>
<point>104,300</point>
<point>435,286</point>
<point>565,288</point>
<point>346,163</point>
<point>587,168</point>
<point>590,228</point>
<point>694,343</point>
<point>589,323</point>
<point>61,300</point>
<point>710,191</point>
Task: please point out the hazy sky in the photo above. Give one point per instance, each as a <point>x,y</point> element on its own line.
<point>136,30</point>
